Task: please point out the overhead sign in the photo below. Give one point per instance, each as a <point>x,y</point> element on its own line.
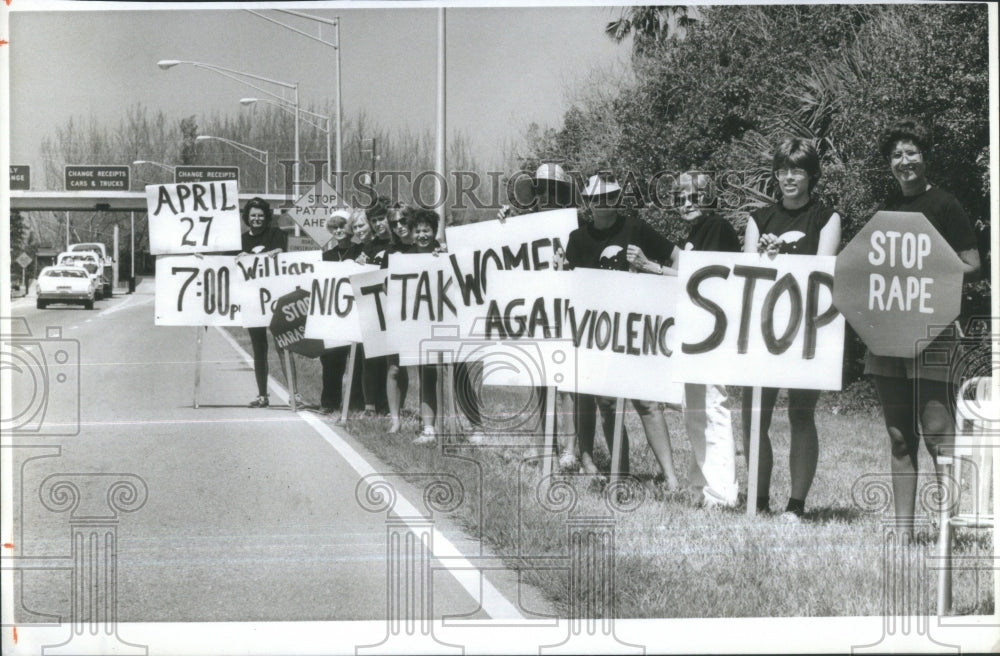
<point>898,283</point>
<point>206,173</point>
<point>196,291</point>
<point>313,209</point>
<point>574,330</point>
<point>756,320</point>
<point>96,178</point>
<point>333,312</point>
<point>263,279</point>
<point>193,217</point>
<point>20,178</point>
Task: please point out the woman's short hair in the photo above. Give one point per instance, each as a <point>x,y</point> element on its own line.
<point>340,218</point>
<point>378,209</point>
<point>417,215</point>
<point>699,184</point>
<point>796,153</point>
<point>257,201</point>
<point>360,215</point>
<point>905,129</point>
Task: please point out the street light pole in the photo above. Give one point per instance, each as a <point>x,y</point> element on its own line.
<point>237,76</point>
<point>283,106</point>
<point>336,46</point>
<point>255,153</point>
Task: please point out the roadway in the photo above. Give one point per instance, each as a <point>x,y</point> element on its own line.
<point>250,515</point>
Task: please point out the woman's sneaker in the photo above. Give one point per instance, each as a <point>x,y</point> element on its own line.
<point>428,436</point>
<point>260,402</point>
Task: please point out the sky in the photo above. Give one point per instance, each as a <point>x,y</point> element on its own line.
<point>506,67</point>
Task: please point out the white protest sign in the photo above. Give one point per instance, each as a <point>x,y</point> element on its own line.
<point>263,279</point>
<point>333,315</point>
<point>193,217</point>
<point>313,209</point>
<point>371,308</point>
<point>529,241</point>
<point>753,320</point>
<point>419,301</point>
<point>196,291</point>
<point>590,337</point>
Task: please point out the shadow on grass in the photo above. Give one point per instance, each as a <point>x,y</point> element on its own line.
<point>835,514</point>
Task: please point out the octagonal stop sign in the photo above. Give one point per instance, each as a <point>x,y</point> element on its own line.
<point>288,325</point>
<point>898,283</point>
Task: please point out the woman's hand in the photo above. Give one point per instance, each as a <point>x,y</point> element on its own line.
<point>362,259</point>
<point>768,244</point>
<point>503,213</point>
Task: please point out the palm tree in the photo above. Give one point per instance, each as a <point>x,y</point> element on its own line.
<point>651,24</point>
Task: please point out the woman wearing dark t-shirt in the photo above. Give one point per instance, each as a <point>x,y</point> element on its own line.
<point>618,242</point>
<point>914,393</point>
<point>263,238</point>
<point>795,224</point>
<point>334,361</point>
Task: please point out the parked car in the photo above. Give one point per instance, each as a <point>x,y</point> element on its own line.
<point>89,260</point>
<point>65,284</point>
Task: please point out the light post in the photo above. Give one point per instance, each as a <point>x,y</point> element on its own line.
<point>335,22</point>
<point>237,76</point>
<point>285,108</point>
<point>165,167</point>
<point>255,153</point>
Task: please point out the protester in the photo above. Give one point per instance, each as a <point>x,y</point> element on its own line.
<point>263,238</point>
<point>334,361</point>
<point>361,230</point>
<point>619,241</point>
<point>374,370</point>
<point>552,189</point>
<point>422,224</point>
<point>914,393</point>
<point>795,224</point>
<point>397,380</point>
<point>712,476</point>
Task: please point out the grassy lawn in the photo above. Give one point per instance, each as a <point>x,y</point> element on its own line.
<point>672,560</point>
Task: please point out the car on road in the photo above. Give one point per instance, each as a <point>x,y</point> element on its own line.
<point>89,260</point>
<point>106,262</point>
<point>65,284</point>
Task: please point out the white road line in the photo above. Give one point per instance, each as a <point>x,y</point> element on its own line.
<point>493,602</point>
<point>129,302</point>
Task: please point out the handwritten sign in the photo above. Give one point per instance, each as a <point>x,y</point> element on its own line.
<point>370,297</point>
<point>898,283</point>
<point>196,291</point>
<point>575,330</point>
<point>333,312</point>
<point>419,297</point>
<point>196,217</point>
<point>749,319</point>
<point>263,279</point>
<point>527,242</point>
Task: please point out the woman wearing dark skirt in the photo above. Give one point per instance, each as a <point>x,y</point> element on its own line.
<point>914,394</point>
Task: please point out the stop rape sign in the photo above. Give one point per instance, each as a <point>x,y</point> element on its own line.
<point>898,283</point>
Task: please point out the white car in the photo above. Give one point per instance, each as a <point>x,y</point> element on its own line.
<point>90,261</point>
<point>65,284</point>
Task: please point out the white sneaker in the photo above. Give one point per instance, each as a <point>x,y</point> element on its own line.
<point>428,436</point>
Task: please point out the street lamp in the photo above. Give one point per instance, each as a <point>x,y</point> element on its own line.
<point>283,106</point>
<point>335,22</point>
<point>255,153</point>
<point>238,77</point>
<point>165,167</point>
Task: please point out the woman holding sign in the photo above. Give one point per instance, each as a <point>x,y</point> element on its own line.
<point>801,225</point>
<point>263,238</point>
<point>397,380</point>
<point>914,393</point>
<point>621,242</point>
<point>334,361</point>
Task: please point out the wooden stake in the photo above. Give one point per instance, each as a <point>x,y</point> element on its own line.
<point>350,382</point>
<point>197,362</point>
<point>753,460</point>
<point>616,449</point>
<point>290,369</point>
<point>549,436</point>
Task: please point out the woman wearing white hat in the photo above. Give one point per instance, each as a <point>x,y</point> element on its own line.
<point>621,242</point>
